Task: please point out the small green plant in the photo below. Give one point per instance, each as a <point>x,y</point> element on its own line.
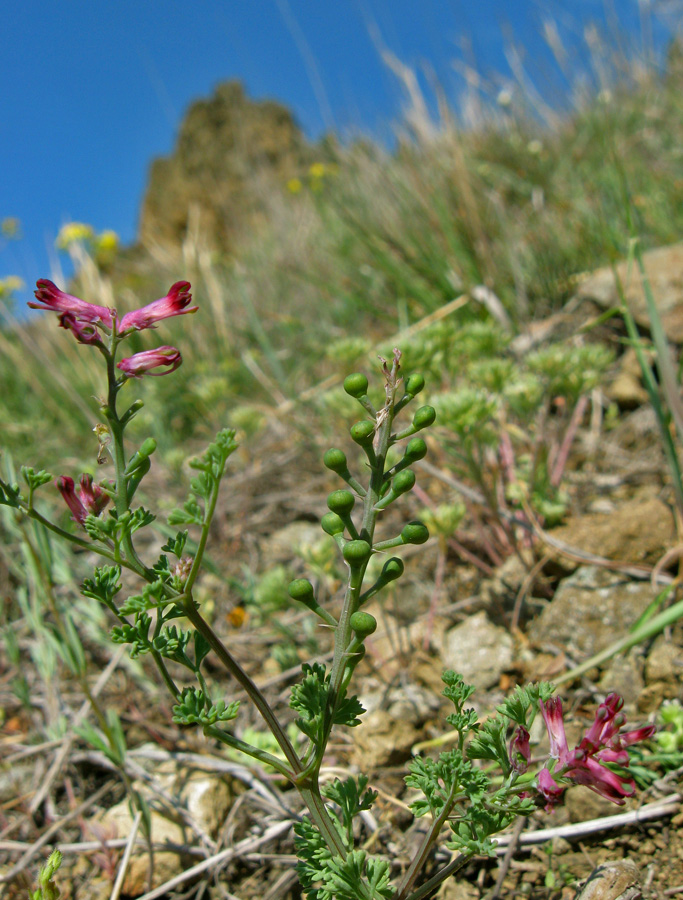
<point>164,621</point>
<point>47,889</point>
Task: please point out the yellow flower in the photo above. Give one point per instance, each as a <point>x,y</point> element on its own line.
<point>294,185</point>
<point>107,241</point>
<point>72,233</point>
<point>10,228</point>
<point>9,286</point>
<point>317,170</point>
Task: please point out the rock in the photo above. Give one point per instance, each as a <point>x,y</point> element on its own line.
<point>639,531</point>
<point>584,805</point>
<point>205,796</point>
<point>591,610</point>
<point>479,650</point>
<point>664,666</point>
<point>618,880</point>
<point>227,145</point>
<point>382,741</point>
<point>167,864</point>
<point>627,387</point>
<point>623,675</point>
<point>664,267</point>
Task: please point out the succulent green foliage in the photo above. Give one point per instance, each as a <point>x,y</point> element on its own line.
<point>470,414</point>
<point>176,545</point>
<point>35,479</point>
<point>570,371</point>
<point>10,495</point>
<point>352,798</point>
<point>190,514</point>
<point>152,596</point>
<point>211,466</point>
<point>114,527</point>
<point>104,585</point>
<point>490,743</point>
<point>521,706</point>
<point>195,708</point>
<point>310,699</point>
<point>172,643</point>
<point>137,635</point>
<point>327,877</point>
<point>439,780</point>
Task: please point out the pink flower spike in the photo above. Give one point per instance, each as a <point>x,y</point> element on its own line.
<point>142,363</point>
<point>175,303</point>
<point>554,722</point>
<point>50,297</point>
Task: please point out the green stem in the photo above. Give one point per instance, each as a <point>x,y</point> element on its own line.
<point>261,755</point>
<point>238,673</point>
<point>433,882</point>
<point>428,840</point>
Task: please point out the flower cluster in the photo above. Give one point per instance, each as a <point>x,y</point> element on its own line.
<point>88,500</point>
<point>588,763</point>
<point>89,323</point>
<point>101,327</point>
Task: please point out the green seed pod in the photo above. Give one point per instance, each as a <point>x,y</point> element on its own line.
<point>416,449</point>
<point>424,417</point>
<point>356,385</point>
<point>414,384</point>
<point>341,502</point>
<point>363,624</point>
<point>392,569</point>
<point>301,590</point>
<point>363,432</point>
<point>335,460</point>
<point>357,552</point>
<point>148,447</point>
<point>332,524</point>
<point>415,533</point>
<point>403,481</point>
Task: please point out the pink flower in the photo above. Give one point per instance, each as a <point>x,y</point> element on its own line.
<point>602,743</point>
<point>81,317</point>
<point>520,751</point>
<point>175,303</point>
<point>142,363</point>
<point>85,332</point>
<point>554,722</point>
<point>549,789</point>
<point>50,297</point>
<point>90,499</point>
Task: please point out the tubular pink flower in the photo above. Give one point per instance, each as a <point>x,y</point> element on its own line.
<point>554,722</point>
<point>85,332</point>
<point>90,499</point>
<point>602,780</point>
<point>175,303</point>
<point>520,751</point>
<point>601,743</point>
<point>549,789</point>
<point>142,363</point>
<point>50,297</point>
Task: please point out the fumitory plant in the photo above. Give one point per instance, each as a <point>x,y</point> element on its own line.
<point>165,622</point>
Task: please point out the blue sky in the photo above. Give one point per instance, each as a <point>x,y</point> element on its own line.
<point>91,92</point>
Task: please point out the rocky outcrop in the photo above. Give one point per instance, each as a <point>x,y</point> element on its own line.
<point>229,154</point>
